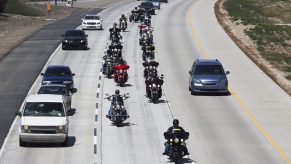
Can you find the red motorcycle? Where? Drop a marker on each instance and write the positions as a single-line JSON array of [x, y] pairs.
[[120, 73]]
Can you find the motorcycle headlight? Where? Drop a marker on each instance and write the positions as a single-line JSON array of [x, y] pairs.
[[182, 140], [150, 86], [67, 82], [66, 41], [82, 41], [154, 85], [176, 140], [171, 140], [158, 85]]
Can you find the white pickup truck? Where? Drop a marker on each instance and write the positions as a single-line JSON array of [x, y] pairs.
[[44, 119]]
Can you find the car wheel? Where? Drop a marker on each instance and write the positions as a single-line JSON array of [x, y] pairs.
[[63, 48], [21, 143]]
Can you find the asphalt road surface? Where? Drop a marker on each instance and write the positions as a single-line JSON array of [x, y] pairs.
[[249, 126]]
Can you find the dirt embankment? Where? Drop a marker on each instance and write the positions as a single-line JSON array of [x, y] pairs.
[[248, 46]]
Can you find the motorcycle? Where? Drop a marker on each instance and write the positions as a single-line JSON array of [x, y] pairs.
[[155, 92], [119, 113], [150, 67], [148, 55], [120, 73], [176, 143], [123, 25], [134, 17], [109, 67]]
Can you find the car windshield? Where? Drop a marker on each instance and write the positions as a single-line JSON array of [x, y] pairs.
[[146, 4], [47, 109], [154, 0], [58, 72], [92, 17], [74, 33], [56, 90], [209, 70]]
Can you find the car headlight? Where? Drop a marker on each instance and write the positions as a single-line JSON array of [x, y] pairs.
[[67, 82], [46, 82], [197, 81], [61, 129], [176, 140], [223, 82], [84, 23]]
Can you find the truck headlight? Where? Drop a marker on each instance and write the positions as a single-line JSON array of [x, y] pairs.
[[61, 129], [25, 129]]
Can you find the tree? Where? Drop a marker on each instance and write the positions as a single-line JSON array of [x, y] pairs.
[[3, 5]]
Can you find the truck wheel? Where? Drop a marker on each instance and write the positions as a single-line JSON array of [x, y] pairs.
[[21, 143]]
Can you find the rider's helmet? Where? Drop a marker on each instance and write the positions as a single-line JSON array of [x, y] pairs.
[[135, 8], [117, 91], [122, 15], [175, 122], [114, 24]]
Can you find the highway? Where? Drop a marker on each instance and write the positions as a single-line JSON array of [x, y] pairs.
[[251, 125]]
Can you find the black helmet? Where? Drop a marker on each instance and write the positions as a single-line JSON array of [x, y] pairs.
[[175, 122], [122, 15], [117, 91]]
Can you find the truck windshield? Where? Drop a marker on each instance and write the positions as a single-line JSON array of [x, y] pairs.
[[46, 109]]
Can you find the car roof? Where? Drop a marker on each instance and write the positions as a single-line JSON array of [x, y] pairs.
[[44, 98], [207, 62]]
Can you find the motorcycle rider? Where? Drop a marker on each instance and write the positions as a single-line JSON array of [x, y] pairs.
[[153, 78], [115, 31], [117, 98], [123, 17], [175, 129]]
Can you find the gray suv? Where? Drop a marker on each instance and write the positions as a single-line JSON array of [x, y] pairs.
[[208, 75]]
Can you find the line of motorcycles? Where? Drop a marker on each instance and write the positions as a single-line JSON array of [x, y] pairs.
[[114, 64], [153, 81]]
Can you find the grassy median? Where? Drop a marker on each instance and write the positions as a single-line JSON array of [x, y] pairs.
[[269, 25]]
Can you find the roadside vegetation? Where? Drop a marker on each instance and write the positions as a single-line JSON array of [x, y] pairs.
[[268, 24], [20, 7]]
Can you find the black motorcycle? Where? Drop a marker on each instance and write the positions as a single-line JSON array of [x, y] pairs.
[[119, 113], [155, 92], [108, 67], [176, 143]]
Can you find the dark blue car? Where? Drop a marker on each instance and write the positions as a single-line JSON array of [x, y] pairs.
[[58, 74]]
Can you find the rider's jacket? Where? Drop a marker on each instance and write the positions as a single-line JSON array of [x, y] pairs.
[[117, 98]]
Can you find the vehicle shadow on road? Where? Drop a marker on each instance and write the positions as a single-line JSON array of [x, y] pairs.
[[213, 94], [158, 101], [183, 160], [71, 143], [124, 124], [126, 85]]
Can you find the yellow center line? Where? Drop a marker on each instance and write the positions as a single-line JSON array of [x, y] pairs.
[[233, 94]]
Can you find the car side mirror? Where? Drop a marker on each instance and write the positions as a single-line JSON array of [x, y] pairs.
[[86, 35], [70, 112], [82, 19], [190, 72], [73, 74], [74, 90], [18, 113], [227, 72], [42, 74]]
